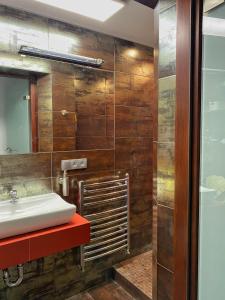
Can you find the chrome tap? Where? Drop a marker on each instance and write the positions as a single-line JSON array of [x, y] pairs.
[[13, 195]]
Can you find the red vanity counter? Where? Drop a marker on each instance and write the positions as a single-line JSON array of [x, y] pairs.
[[30, 246]]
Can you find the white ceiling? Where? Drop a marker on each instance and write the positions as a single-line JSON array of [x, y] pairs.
[[134, 22]]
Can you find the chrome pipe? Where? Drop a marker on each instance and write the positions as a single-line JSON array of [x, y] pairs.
[[105, 212], [92, 191], [104, 195], [105, 201], [128, 211], [106, 253], [81, 184], [108, 229], [104, 248], [104, 182], [107, 218], [108, 235], [108, 223], [6, 277], [106, 242]]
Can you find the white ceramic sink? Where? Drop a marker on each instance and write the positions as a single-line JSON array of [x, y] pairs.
[[33, 213]]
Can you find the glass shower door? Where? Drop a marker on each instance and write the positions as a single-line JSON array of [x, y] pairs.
[[212, 189]]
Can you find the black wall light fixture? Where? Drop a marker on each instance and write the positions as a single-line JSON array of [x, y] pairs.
[[70, 58]]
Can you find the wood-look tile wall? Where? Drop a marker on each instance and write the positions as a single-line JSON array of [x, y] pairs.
[[164, 139], [124, 114]]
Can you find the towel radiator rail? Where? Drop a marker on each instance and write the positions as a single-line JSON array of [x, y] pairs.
[[110, 228]]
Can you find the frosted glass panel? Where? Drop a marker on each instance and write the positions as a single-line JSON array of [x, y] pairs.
[[15, 134], [212, 189]]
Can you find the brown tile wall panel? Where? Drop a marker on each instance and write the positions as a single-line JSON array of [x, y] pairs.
[[63, 98], [131, 60], [133, 90], [167, 42], [163, 153], [45, 120], [166, 159], [92, 81], [165, 174], [141, 182], [44, 113], [91, 105], [165, 284], [166, 109], [165, 237], [59, 67], [141, 238], [76, 40], [141, 221], [143, 206], [25, 187], [94, 142], [114, 96], [91, 126], [63, 91], [64, 144], [133, 121], [64, 125], [94, 91], [133, 132], [25, 166], [133, 153], [45, 144], [14, 63], [12, 33], [44, 91], [110, 126], [110, 107]]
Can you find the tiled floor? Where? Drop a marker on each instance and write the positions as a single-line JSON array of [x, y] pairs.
[[108, 291], [135, 272], [138, 272]]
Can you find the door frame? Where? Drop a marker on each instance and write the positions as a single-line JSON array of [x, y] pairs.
[[187, 153], [196, 147]]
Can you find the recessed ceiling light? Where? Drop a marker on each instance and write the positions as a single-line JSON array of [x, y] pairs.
[[100, 10]]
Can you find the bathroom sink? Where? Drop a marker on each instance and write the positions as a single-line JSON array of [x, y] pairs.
[[33, 213]]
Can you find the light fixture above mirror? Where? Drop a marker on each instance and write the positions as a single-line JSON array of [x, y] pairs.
[[70, 58]]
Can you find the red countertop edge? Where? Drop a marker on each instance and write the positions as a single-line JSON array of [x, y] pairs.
[[30, 246]]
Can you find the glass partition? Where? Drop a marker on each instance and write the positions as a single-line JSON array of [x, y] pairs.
[[212, 189]]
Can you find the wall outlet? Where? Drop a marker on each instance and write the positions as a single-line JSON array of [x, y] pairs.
[[74, 164]]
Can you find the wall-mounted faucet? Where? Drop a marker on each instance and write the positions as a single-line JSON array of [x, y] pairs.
[[64, 181], [13, 195], [68, 165]]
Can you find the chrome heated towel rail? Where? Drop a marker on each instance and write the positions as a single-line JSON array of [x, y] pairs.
[[105, 202]]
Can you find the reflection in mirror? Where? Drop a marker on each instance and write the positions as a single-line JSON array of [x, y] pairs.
[[70, 108], [15, 131]]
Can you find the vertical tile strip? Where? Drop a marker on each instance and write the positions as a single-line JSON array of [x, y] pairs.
[[163, 153]]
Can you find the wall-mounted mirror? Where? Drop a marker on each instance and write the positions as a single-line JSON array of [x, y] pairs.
[[69, 108]]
